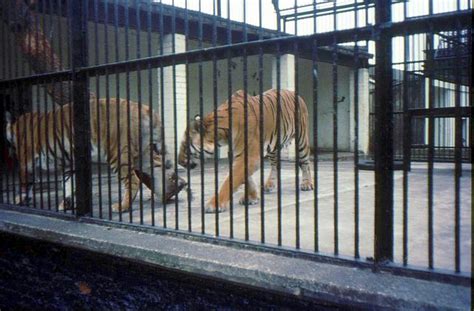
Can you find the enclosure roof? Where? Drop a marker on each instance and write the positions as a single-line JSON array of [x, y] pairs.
[[162, 16], [238, 31]]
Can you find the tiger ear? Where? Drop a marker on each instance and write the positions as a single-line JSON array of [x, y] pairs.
[[239, 93], [197, 124]]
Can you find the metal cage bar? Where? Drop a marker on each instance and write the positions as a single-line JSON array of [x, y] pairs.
[[221, 56]]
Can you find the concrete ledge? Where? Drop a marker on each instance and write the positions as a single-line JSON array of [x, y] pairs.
[[297, 277]]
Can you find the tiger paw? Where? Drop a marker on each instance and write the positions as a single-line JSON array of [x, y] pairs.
[[21, 199], [269, 186], [119, 209], [65, 205], [211, 206], [307, 185], [250, 201]]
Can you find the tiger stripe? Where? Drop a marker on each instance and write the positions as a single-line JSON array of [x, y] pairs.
[[292, 121]]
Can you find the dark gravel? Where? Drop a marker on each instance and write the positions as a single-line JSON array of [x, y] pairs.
[[37, 275]]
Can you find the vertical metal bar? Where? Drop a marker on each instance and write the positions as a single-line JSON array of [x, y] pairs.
[[98, 104], [46, 123], [18, 101], [4, 170], [219, 7], [3, 149], [246, 129], [458, 148], [278, 125], [7, 173], [162, 110], [82, 140], [11, 44], [107, 107], [383, 241], [7, 101], [201, 113], [14, 46], [314, 58], [470, 142], [150, 102], [117, 108], [5, 167], [60, 117], [66, 160], [297, 134], [70, 111], [3, 47], [12, 100], [55, 158], [262, 127], [335, 134], [229, 100], [10, 175], [175, 118], [188, 153], [39, 122], [139, 98], [356, 134], [37, 128], [406, 139], [215, 103], [25, 98], [5, 54], [47, 144], [431, 133], [127, 94]]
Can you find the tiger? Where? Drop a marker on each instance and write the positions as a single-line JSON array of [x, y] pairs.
[[290, 125], [49, 135]]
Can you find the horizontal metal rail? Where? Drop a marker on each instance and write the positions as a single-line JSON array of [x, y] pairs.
[[141, 77], [449, 277], [444, 112], [440, 22]]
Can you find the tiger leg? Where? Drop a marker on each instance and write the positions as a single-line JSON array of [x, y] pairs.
[[307, 183], [26, 184], [68, 192], [270, 183], [238, 178], [304, 151], [130, 183], [252, 193]]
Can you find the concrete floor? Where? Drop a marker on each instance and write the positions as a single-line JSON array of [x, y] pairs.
[[443, 211]]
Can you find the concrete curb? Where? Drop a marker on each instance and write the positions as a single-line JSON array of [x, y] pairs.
[[291, 276]]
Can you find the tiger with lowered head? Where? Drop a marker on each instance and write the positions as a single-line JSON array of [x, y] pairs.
[[289, 123], [50, 135]]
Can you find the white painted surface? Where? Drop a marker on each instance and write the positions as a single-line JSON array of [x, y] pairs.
[[174, 94]]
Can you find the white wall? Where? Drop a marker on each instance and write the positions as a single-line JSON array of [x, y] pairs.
[[325, 92], [305, 89], [325, 103]]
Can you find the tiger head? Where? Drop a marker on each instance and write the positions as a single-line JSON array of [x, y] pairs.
[[205, 128], [192, 145]]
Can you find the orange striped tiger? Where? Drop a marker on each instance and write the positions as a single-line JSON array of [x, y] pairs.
[[50, 135], [288, 131]]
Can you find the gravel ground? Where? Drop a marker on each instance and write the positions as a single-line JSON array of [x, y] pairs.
[[38, 275]]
